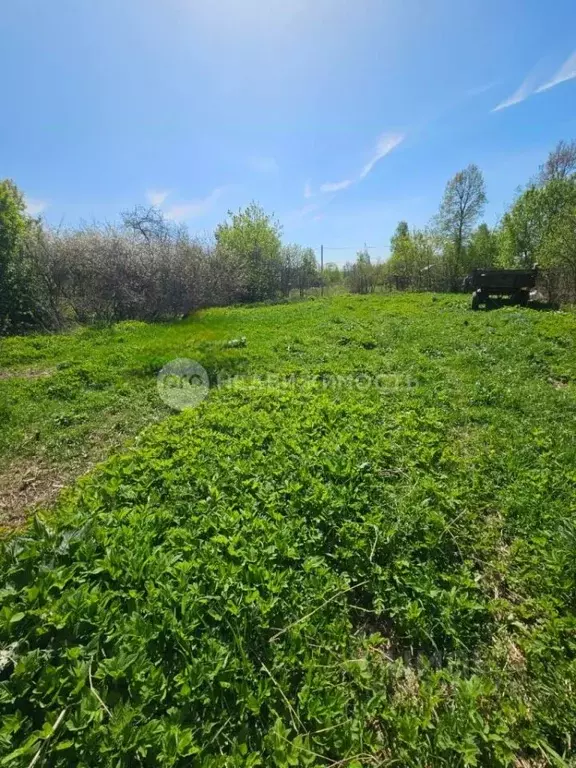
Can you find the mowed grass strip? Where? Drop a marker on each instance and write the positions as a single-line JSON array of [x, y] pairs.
[[366, 557]]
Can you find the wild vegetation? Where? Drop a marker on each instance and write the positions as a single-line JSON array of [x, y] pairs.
[[148, 268], [539, 228], [357, 551]]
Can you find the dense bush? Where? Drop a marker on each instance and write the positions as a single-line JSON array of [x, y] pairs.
[[144, 268]]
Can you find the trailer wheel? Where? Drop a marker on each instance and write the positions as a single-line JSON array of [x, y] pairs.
[[523, 298], [475, 301]]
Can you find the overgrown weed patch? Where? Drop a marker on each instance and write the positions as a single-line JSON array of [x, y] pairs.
[[302, 573]]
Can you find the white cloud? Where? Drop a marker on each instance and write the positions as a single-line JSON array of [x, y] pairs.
[[157, 196], [335, 186], [566, 72], [386, 143], [481, 89], [525, 90], [262, 164], [35, 207], [308, 190], [190, 209]]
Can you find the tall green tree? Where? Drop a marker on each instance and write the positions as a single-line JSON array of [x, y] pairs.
[[299, 268], [14, 222], [400, 250], [307, 270], [532, 223], [412, 258], [483, 248], [400, 237], [254, 237], [462, 205], [539, 228], [361, 274], [332, 274]]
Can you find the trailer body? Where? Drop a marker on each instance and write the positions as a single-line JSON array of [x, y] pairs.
[[515, 283]]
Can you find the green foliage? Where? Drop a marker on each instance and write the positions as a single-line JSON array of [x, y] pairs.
[[254, 237], [530, 229], [14, 302], [360, 553], [12, 218], [299, 269], [361, 276], [463, 203], [483, 248], [332, 274], [413, 261]]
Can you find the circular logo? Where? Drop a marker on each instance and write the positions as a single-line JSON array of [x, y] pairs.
[[182, 383]]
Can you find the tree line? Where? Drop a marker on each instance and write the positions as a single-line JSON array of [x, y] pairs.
[[539, 228], [148, 268], [145, 267]]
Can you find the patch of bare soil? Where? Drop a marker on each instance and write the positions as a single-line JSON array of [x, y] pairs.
[[26, 485], [33, 374], [558, 383]]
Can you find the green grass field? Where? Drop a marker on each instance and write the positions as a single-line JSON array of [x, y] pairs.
[[361, 551]]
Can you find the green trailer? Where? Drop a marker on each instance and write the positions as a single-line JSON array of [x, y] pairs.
[[515, 283]]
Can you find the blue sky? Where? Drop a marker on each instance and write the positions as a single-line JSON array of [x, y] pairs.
[[341, 116]]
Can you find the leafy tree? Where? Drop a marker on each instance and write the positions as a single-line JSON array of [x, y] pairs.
[[299, 268], [361, 275], [400, 250], [254, 236], [14, 223], [561, 163], [400, 237], [307, 270], [332, 274], [483, 248], [412, 257], [532, 223], [462, 205], [539, 228]]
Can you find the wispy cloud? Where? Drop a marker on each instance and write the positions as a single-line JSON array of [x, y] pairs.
[[386, 143], [335, 186], [566, 72], [262, 164], [308, 190], [190, 209], [295, 217], [35, 207], [481, 89], [525, 90], [157, 196]]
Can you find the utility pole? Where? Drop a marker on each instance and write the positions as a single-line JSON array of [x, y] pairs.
[[322, 270]]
